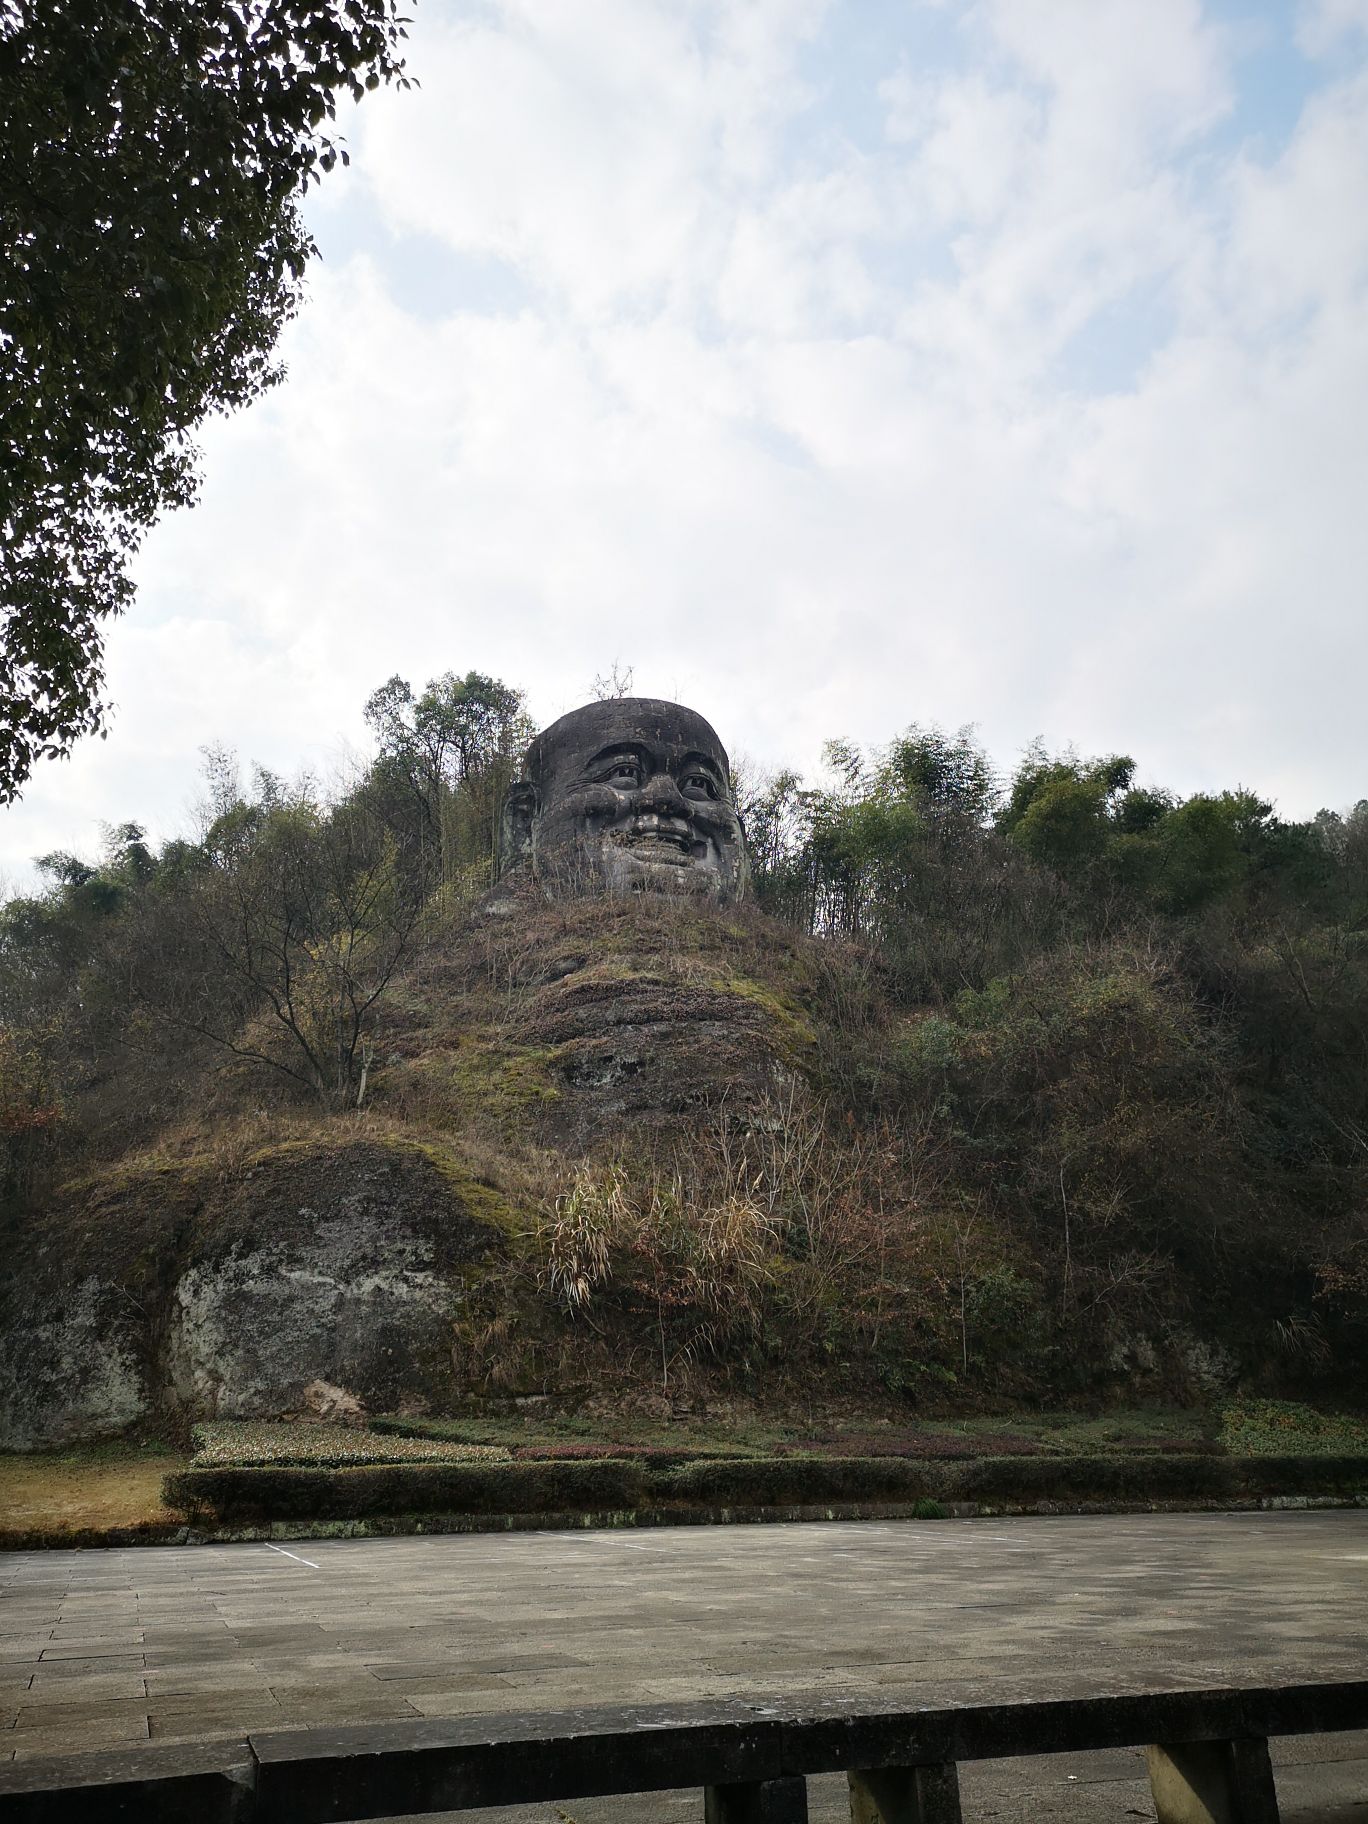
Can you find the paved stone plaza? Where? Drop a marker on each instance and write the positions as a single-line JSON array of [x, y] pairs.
[[192, 1643]]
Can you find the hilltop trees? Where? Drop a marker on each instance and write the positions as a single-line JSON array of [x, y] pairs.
[[152, 157], [446, 758], [272, 935], [283, 938]]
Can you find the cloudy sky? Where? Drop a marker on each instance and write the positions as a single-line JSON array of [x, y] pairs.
[[834, 365]]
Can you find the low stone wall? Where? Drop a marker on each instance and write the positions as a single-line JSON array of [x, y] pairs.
[[1207, 1752]]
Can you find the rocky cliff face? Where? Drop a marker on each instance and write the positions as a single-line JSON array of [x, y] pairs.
[[315, 1276]]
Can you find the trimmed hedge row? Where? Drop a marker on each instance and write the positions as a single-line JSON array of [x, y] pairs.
[[407, 1488], [799, 1481], [617, 1485]]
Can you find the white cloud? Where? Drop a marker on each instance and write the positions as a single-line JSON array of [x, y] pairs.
[[795, 426], [1323, 26], [591, 142]]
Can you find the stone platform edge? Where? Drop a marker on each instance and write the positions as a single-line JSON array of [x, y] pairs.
[[400, 1526], [1207, 1750]]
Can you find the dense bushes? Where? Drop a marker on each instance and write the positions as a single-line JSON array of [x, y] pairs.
[[797, 1481], [615, 1485], [355, 1494], [1128, 1478]]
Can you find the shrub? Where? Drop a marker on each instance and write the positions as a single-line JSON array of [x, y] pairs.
[[618, 1485], [1156, 1478], [455, 1431], [658, 1456], [796, 1481], [578, 1453], [928, 1446], [1282, 1428], [1117, 1478], [227, 1443], [419, 1488], [1314, 1474]]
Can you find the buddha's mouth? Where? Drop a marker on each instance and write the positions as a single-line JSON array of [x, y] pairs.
[[671, 848]]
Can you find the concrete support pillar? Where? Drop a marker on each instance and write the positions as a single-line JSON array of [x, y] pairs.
[[757, 1802], [905, 1795], [1213, 1782]]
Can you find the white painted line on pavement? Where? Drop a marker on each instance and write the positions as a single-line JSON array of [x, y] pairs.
[[284, 1554]]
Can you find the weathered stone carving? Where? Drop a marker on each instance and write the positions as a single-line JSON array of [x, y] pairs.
[[629, 794]]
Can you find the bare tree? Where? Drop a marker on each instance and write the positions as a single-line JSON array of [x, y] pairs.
[[287, 940]]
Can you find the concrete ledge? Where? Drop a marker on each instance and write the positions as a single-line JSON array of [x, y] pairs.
[[325, 1776], [456, 1764], [164, 1783]]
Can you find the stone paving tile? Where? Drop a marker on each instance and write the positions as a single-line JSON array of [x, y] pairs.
[[85, 1649], [411, 1668], [514, 1661], [220, 1708], [277, 1656], [95, 1690], [77, 1640], [244, 1676], [321, 1713], [107, 1666], [205, 1727], [40, 1713], [110, 1733], [205, 1637], [482, 1688], [197, 1653]]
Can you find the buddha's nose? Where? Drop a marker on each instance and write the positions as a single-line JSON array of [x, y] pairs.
[[661, 794]]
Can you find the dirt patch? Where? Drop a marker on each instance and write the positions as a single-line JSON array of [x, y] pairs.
[[85, 1491]]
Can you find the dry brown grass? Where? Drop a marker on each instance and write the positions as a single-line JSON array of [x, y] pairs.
[[83, 1490]]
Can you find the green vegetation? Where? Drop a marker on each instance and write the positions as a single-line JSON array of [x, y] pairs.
[[153, 154], [259, 1443], [1017, 1093], [412, 1488], [1281, 1428], [620, 1486], [248, 1472]]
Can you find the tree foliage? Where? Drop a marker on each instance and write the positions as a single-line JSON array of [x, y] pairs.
[[152, 158], [446, 757], [292, 930]]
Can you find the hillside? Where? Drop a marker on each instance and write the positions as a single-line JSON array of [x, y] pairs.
[[637, 1151]]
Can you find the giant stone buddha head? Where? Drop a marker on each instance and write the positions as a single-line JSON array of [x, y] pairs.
[[631, 794]]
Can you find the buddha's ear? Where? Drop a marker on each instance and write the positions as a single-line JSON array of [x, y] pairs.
[[515, 824]]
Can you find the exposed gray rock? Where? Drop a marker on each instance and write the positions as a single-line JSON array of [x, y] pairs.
[[70, 1368], [355, 1304], [321, 1278]]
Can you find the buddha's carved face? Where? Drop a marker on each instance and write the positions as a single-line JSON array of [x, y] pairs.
[[632, 794]]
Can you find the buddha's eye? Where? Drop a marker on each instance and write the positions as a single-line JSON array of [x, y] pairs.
[[700, 786], [624, 774]]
